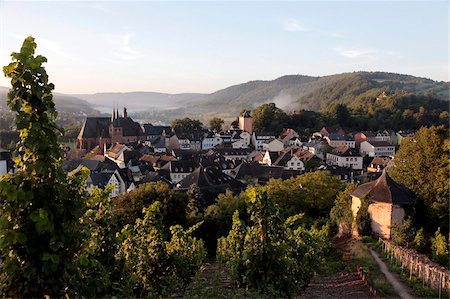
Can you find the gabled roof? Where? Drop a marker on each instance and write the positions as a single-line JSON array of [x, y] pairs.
[[335, 136], [380, 161], [183, 166], [344, 151], [94, 127], [100, 179], [211, 182], [283, 158], [386, 190], [150, 129], [379, 143]]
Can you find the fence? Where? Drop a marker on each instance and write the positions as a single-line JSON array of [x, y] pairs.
[[418, 265]]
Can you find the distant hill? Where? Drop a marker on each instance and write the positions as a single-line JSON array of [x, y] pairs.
[[140, 100], [292, 92], [64, 103], [316, 93]]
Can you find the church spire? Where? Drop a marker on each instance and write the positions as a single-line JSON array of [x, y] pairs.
[[113, 115]]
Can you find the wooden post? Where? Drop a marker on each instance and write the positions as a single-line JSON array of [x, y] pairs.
[[423, 275], [440, 285], [410, 269]]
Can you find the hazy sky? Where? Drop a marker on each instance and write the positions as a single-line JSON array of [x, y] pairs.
[[205, 46]]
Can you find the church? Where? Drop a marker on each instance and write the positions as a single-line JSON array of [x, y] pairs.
[[109, 130]]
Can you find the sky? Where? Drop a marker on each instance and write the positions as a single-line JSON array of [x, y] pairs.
[[204, 46]]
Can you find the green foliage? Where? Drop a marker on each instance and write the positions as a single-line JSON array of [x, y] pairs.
[[128, 207], [217, 218], [99, 273], [269, 118], [215, 124], [157, 265], [275, 256], [363, 221], [194, 207], [420, 241], [312, 193], [186, 125], [341, 213], [422, 165], [41, 205], [403, 234], [439, 248]]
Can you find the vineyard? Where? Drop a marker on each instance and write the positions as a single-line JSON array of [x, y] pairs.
[[156, 242]]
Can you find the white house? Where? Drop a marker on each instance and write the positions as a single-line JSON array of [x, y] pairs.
[[210, 141], [345, 157], [178, 170], [376, 149], [106, 179], [289, 161], [258, 140], [239, 143]]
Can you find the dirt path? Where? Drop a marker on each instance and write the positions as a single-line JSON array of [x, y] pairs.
[[399, 287]]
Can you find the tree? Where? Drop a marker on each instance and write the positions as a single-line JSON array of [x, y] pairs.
[[269, 118], [341, 213], [186, 125], [268, 253], [363, 221], [157, 263], [194, 208], [312, 193], [439, 248], [422, 165], [215, 124], [41, 205], [128, 207]]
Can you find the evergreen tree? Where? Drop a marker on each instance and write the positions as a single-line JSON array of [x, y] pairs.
[[41, 206]]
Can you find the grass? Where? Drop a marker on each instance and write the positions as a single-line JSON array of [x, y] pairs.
[[415, 284]]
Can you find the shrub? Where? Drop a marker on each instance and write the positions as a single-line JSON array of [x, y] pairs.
[[159, 266], [439, 248], [363, 221], [275, 256], [420, 241]]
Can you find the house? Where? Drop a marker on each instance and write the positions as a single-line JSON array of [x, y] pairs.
[[387, 202], [345, 174], [402, 135], [211, 182], [327, 131], [270, 157], [345, 157], [287, 135], [256, 173], [273, 145], [378, 164], [231, 153], [259, 139], [315, 147], [178, 170], [105, 179], [370, 136], [376, 149], [155, 131], [156, 143], [109, 130], [337, 140], [295, 142], [289, 161], [211, 140]]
